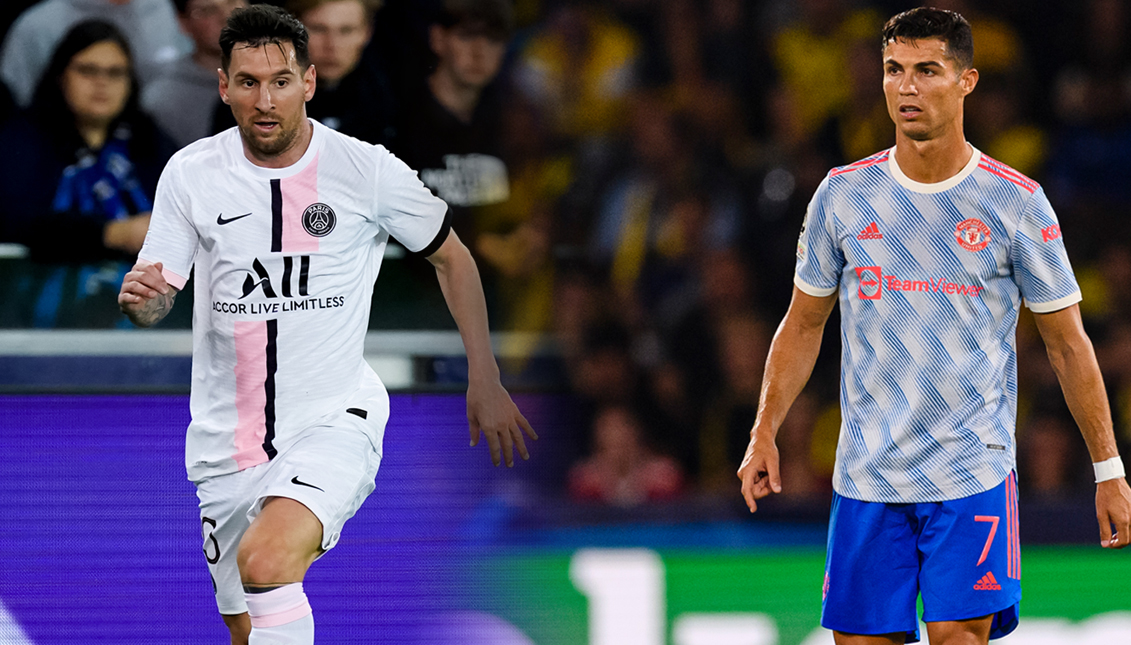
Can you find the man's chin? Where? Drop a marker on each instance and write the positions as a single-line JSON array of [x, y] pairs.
[[267, 145]]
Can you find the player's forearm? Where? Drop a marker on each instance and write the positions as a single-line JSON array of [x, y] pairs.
[[1074, 362], [463, 293], [151, 311], [792, 356]]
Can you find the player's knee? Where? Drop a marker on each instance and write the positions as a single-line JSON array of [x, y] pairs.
[[260, 564]]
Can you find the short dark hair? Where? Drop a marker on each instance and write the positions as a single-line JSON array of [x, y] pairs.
[[927, 22], [493, 18], [263, 24]]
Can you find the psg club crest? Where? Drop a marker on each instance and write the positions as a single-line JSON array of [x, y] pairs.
[[972, 234], [318, 219]]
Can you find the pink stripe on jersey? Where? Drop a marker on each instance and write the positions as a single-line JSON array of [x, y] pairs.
[[174, 279], [177, 281], [299, 192], [251, 398], [877, 158], [1010, 178], [1001, 170]]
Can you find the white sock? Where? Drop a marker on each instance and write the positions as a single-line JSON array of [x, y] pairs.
[[281, 616]]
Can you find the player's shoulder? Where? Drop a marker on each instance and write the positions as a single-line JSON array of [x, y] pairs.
[[1002, 174], [348, 151], [208, 152], [870, 161]]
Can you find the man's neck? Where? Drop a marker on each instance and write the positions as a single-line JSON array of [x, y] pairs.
[[933, 160], [460, 100]]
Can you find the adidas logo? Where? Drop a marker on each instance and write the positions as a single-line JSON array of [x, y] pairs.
[[870, 232], [987, 583]]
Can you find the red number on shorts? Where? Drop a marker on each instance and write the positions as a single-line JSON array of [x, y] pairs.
[[993, 531]]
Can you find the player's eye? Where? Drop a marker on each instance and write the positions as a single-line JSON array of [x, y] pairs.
[[281, 83]]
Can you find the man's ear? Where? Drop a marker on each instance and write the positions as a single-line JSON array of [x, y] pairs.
[[223, 77], [968, 80], [310, 81]]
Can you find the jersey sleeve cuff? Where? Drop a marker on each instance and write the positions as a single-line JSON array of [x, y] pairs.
[[816, 292], [441, 236], [1054, 305], [176, 280]]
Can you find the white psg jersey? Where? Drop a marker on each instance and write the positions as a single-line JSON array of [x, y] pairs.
[[285, 260], [930, 280]]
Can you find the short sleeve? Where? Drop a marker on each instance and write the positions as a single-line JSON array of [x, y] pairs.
[[820, 260], [404, 205], [1040, 262], [172, 239]]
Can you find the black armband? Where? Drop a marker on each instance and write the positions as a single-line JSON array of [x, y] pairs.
[[441, 236]]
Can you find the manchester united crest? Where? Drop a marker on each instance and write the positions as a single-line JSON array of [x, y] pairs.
[[318, 219], [972, 234]]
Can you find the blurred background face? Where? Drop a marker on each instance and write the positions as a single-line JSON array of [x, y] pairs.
[[96, 83], [203, 20], [339, 32], [470, 57]]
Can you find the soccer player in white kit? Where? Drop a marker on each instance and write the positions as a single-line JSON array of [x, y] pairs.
[[285, 223], [930, 247]]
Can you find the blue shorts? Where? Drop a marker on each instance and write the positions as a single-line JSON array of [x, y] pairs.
[[962, 555]]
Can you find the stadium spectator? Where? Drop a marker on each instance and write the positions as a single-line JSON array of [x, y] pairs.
[[516, 237], [353, 94], [580, 69], [451, 130], [623, 470], [812, 57], [152, 26], [183, 98], [80, 191]]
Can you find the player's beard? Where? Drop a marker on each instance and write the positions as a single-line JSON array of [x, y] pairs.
[[272, 146]]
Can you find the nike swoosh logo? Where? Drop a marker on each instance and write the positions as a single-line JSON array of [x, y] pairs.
[[294, 480], [221, 221]]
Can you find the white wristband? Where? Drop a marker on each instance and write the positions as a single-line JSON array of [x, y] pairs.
[[1109, 469]]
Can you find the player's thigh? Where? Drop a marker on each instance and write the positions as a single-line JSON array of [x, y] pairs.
[[972, 559], [330, 470], [871, 570], [974, 631], [281, 543], [224, 505]]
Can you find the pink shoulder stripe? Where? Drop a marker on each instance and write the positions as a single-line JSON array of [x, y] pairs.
[[866, 162], [1029, 185], [1019, 178]]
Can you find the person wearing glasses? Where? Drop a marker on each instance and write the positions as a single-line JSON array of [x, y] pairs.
[[79, 192]]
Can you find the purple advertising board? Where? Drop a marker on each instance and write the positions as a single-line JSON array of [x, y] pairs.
[[101, 539]]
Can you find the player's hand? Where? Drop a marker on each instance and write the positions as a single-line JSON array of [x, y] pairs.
[[759, 470], [1113, 508], [492, 414], [143, 283]]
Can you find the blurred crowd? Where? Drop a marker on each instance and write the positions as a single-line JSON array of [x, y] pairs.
[[631, 176]]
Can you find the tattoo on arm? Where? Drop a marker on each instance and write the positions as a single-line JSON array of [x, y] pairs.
[[154, 309]]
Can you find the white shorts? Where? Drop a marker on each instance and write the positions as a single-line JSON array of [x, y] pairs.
[[329, 468]]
